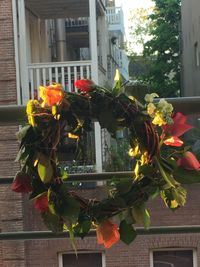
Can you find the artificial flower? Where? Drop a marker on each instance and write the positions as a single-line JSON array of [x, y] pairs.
[[134, 151], [175, 130], [84, 85], [52, 94], [107, 233], [189, 161], [72, 136], [179, 125], [151, 108], [31, 110], [165, 107], [150, 97], [22, 183], [158, 119], [41, 203], [173, 141]]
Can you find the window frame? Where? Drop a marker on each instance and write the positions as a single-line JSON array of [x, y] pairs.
[[103, 256], [174, 249]]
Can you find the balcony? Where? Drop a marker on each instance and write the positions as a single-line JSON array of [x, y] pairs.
[[64, 73], [115, 19], [121, 60]]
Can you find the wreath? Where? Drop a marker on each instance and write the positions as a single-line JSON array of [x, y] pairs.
[[161, 162]]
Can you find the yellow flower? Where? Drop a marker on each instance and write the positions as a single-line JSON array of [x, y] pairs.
[[117, 75], [134, 151], [144, 158], [30, 110], [158, 119], [151, 109], [72, 136]]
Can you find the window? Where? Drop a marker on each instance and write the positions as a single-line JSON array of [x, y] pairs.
[[173, 258], [84, 259]]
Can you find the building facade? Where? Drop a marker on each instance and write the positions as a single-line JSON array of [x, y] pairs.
[[30, 54], [190, 47]]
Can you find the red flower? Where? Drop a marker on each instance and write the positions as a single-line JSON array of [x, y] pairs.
[[107, 234], [41, 203], [189, 161], [84, 85], [22, 183], [173, 141], [52, 94], [176, 129]]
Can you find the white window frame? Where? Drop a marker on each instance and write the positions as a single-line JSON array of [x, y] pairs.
[[174, 249], [60, 256]]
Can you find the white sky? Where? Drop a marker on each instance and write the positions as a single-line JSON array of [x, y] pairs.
[[127, 5]]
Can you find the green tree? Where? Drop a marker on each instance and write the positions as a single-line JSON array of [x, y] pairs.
[[139, 28], [163, 48]]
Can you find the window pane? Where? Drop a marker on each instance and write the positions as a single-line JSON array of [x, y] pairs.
[[83, 260], [179, 258]]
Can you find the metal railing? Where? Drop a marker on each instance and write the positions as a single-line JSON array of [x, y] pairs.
[[16, 114]]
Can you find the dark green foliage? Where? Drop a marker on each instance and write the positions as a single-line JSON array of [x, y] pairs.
[[164, 48]]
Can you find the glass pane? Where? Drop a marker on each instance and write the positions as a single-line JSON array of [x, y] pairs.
[[83, 260], [179, 258]]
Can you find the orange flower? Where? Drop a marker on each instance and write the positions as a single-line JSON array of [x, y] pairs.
[[107, 233], [52, 94], [189, 161]]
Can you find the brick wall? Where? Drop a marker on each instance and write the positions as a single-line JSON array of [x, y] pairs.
[[11, 253], [7, 61], [45, 253]]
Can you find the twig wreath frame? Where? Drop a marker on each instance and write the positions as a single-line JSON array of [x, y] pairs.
[[161, 162]]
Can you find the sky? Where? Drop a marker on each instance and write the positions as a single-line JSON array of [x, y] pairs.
[[127, 5]]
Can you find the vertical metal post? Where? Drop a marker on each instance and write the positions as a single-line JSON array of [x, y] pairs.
[[95, 78], [23, 52]]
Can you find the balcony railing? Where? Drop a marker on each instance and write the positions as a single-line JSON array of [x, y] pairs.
[[121, 60], [64, 73], [114, 15], [77, 22]]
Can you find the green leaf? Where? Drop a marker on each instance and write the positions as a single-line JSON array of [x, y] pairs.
[[141, 215], [83, 228], [127, 232], [38, 188], [22, 132], [184, 176], [69, 208], [45, 169], [146, 169], [64, 174], [124, 185], [52, 222], [147, 220], [118, 88], [116, 202]]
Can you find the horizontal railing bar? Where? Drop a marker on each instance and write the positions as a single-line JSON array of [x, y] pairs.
[[16, 114], [59, 64], [84, 177], [44, 235]]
